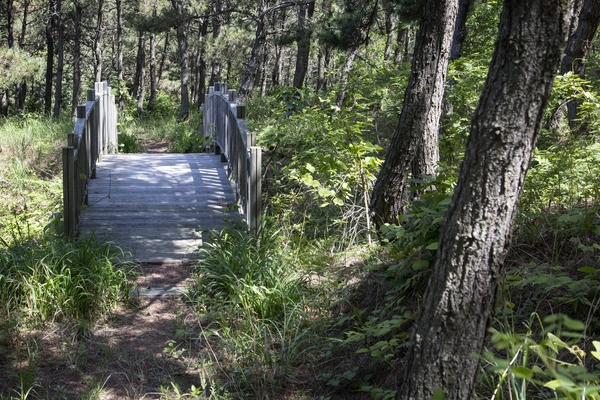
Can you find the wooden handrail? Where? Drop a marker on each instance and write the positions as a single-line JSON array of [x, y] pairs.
[[94, 134], [224, 121]]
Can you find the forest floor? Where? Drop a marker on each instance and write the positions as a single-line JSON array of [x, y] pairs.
[[138, 351]]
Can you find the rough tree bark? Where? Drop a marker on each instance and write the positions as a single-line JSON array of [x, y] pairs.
[[475, 234], [583, 29], [60, 53], [415, 142]]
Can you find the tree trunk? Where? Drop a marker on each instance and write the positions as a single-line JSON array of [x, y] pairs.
[[305, 14], [390, 26], [584, 27], [344, 76], [417, 131], [152, 99], [182, 44], [163, 57], [50, 26], [215, 64], [249, 76], [475, 234], [142, 75], [140, 59], [403, 41], [10, 19], [120, 97], [460, 29], [60, 45], [98, 43], [201, 65], [77, 60], [323, 64]]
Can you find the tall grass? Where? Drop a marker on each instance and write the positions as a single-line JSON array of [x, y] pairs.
[[52, 278]]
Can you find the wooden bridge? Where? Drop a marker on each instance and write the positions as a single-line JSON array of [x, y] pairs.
[[159, 207]]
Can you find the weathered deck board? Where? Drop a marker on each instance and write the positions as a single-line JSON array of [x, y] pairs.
[[159, 207]]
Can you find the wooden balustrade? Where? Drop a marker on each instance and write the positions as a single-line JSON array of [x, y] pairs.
[[224, 122], [95, 134]]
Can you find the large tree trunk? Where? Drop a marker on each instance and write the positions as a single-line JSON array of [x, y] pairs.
[[77, 59], [417, 133], [474, 237], [305, 14], [98, 43], [50, 26], [583, 29], [60, 52], [182, 44]]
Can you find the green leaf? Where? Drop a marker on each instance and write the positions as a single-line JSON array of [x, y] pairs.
[[573, 324], [420, 264], [587, 270], [522, 372], [433, 246], [596, 353]]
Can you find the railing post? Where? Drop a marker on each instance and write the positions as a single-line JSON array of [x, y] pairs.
[[254, 192], [69, 207]]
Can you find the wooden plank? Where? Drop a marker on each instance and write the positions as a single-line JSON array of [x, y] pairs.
[[159, 207]]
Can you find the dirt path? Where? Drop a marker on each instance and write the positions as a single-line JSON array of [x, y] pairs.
[[138, 352]]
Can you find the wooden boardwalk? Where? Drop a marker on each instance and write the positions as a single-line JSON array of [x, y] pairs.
[[159, 206]]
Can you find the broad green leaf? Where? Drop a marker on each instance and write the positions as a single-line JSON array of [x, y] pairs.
[[522, 372], [596, 353], [573, 324], [587, 270], [433, 246]]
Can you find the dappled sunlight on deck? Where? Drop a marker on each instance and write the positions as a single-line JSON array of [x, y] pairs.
[[158, 207]]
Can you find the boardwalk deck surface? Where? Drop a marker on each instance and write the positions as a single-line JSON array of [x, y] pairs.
[[158, 206]]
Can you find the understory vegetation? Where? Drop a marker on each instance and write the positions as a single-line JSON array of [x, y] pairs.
[[317, 304]]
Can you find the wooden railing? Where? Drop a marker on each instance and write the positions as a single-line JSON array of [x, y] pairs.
[[224, 122], [95, 134]]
